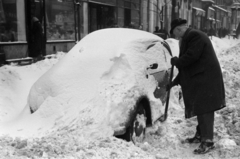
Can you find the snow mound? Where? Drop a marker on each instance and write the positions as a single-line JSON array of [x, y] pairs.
[[13, 78], [220, 45], [231, 71]]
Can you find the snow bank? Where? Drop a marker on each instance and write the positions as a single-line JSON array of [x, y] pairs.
[[16, 83]]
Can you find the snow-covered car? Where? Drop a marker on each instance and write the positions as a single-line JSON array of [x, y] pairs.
[[107, 79]]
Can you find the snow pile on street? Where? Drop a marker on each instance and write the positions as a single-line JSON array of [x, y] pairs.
[[16, 83], [163, 141], [230, 61], [220, 45]]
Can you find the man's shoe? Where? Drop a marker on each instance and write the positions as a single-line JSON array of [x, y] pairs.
[[204, 147], [195, 139]]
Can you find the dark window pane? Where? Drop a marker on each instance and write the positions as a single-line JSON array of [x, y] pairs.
[[101, 16], [162, 77]]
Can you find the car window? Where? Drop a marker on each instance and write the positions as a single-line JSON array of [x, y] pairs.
[[162, 78]]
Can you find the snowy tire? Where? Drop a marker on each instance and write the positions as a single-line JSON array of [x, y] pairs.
[[136, 131]]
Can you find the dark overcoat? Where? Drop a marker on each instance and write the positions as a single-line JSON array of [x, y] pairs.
[[200, 75], [36, 42]]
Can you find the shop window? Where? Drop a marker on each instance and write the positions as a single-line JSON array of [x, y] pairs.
[[12, 21], [60, 20], [162, 77]]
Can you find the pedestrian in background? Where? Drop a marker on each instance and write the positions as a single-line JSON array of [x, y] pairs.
[[165, 33], [36, 41], [156, 29], [200, 78], [238, 31], [211, 32]]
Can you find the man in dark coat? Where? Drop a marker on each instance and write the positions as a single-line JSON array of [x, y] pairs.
[[200, 78], [36, 42]]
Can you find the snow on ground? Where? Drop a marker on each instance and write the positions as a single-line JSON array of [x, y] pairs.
[[163, 141]]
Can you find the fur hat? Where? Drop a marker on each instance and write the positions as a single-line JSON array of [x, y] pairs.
[[177, 22]]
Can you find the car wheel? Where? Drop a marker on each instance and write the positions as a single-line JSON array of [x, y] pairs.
[[136, 131]]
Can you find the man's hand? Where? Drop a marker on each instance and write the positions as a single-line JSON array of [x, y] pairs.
[[174, 61]]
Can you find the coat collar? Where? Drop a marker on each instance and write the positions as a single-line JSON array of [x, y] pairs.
[[182, 43]]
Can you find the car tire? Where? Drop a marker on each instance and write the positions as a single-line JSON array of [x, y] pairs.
[[136, 131]]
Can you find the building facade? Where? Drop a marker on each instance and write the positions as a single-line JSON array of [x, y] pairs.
[[16, 22], [182, 9], [203, 14], [198, 15], [65, 22]]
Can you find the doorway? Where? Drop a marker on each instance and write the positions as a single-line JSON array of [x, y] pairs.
[[127, 18], [35, 12]]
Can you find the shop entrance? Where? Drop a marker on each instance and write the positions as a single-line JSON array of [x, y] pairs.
[[101, 16], [36, 27]]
